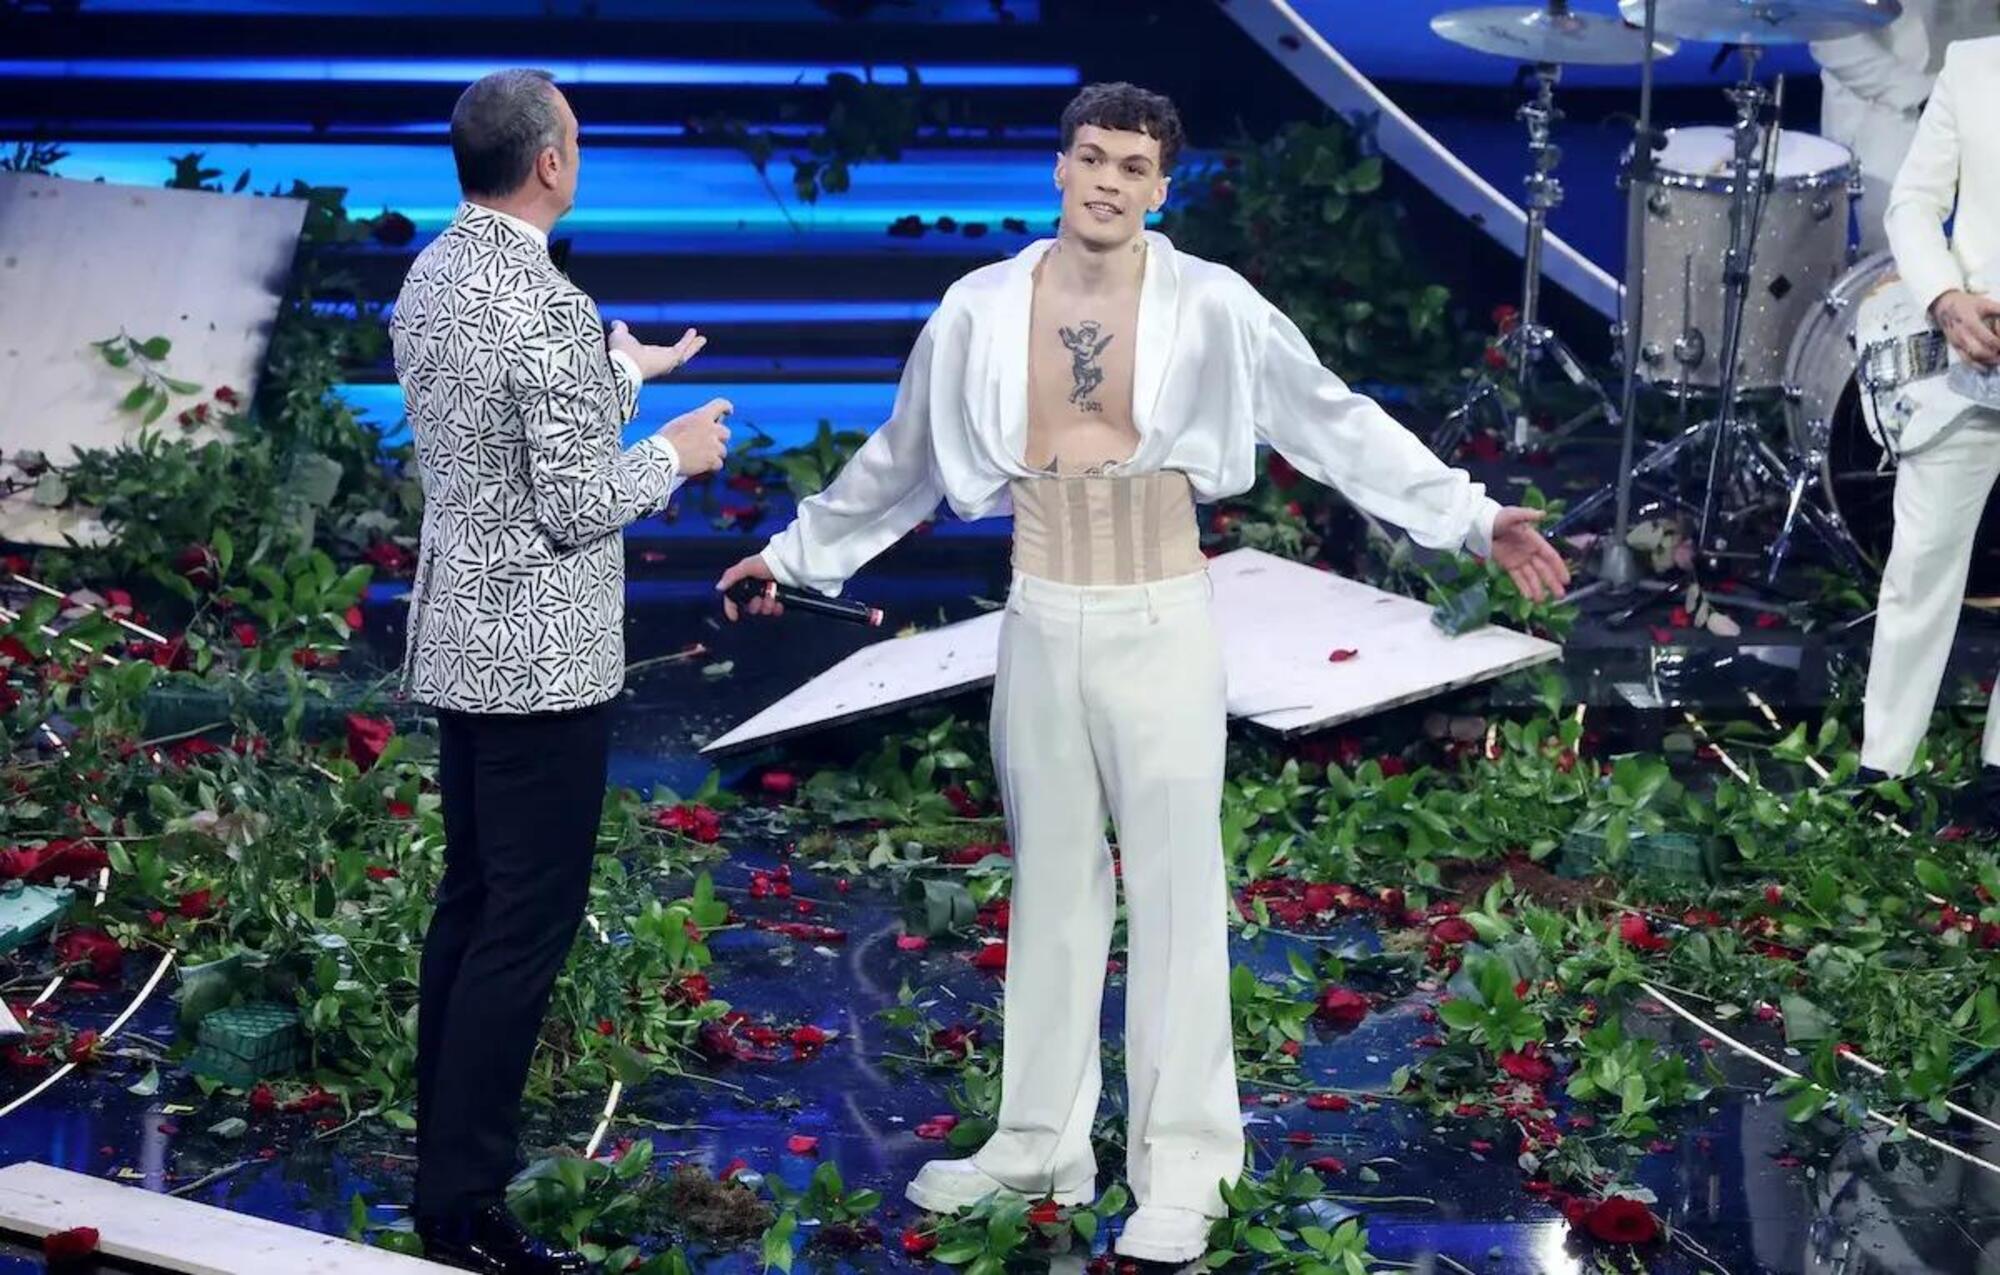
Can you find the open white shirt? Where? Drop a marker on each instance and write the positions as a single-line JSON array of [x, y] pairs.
[[1218, 369]]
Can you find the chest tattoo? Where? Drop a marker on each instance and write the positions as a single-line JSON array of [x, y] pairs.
[[1086, 342]]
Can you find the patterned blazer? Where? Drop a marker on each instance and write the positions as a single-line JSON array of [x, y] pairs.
[[516, 407]]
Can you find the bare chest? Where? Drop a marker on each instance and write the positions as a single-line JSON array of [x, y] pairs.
[[1080, 359]]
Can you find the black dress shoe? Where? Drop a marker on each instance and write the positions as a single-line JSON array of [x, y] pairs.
[[1986, 804], [489, 1240]]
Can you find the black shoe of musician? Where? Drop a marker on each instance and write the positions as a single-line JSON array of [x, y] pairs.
[[1867, 801], [1986, 805], [490, 1241]]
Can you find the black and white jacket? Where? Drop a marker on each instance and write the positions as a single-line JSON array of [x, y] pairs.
[[516, 408]]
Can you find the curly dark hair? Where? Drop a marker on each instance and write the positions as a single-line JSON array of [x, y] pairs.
[[1126, 108]]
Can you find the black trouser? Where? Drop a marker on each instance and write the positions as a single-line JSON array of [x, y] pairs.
[[522, 798]]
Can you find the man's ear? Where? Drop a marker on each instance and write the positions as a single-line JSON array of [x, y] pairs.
[[1062, 170], [548, 167], [1160, 196]]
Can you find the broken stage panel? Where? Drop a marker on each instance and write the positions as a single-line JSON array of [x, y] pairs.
[[1280, 621]]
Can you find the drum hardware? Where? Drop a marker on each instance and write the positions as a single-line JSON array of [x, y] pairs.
[[1549, 37]]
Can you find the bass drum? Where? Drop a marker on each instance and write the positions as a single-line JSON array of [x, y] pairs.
[[1825, 411]]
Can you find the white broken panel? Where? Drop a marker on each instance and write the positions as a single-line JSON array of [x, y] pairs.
[[1279, 621], [85, 261]]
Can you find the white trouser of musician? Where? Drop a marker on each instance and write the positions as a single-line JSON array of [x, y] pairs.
[[1941, 492], [1110, 701]]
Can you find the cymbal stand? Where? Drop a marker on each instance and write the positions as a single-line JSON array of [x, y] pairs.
[[1531, 343]]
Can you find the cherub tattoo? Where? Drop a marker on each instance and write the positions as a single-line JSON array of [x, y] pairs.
[[1085, 347]]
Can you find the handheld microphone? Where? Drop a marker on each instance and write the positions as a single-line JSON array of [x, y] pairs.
[[807, 600]]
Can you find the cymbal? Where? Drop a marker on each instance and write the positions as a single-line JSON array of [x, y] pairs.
[[1765, 21], [1531, 33]]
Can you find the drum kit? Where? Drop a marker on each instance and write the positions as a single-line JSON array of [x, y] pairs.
[[1741, 290]]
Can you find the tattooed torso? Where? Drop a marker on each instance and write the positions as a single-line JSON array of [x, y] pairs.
[[1080, 381]]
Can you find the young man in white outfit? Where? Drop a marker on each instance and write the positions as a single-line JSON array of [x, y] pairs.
[[1952, 453], [1096, 385]]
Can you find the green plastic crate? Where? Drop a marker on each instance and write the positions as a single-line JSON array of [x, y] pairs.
[[247, 1043], [1675, 856]]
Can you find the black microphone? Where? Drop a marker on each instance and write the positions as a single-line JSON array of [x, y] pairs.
[[807, 600]]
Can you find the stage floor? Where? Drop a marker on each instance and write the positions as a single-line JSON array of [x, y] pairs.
[[1758, 1192]]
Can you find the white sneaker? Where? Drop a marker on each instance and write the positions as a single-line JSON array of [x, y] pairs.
[[947, 1186], [1160, 1233]]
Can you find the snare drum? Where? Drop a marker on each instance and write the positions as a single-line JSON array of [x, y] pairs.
[[1801, 248]]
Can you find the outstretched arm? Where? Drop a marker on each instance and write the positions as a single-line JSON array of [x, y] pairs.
[[888, 487], [1346, 441]]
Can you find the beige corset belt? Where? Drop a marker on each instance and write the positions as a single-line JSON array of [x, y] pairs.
[[1106, 528]]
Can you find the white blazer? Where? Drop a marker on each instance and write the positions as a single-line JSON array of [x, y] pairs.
[[1217, 370], [1953, 163]]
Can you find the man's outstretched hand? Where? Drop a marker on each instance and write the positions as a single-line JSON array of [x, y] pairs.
[[1520, 550], [654, 360]]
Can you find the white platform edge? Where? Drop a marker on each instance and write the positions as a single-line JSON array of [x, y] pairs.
[[181, 1235]]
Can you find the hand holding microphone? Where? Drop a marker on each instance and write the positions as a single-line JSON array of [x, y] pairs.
[[750, 583]]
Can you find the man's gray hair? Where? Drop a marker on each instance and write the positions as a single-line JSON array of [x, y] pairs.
[[499, 127]]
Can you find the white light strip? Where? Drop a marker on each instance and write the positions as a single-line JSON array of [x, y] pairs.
[[117, 1023], [617, 1086], [59, 595], [1876, 1071], [1774, 1065]]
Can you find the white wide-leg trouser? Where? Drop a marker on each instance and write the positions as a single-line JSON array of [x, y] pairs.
[[1941, 493], [1109, 701]]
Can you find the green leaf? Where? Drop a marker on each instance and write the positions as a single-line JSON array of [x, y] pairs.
[[400, 1120], [1461, 1015], [137, 399], [147, 1085], [158, 407], [233, 1127], [1264, 1240], [1805, 1021], [1933, 877], [778, 1242], [958, 1254], [157, 348]]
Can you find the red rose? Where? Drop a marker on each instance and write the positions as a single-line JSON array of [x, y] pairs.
[[1528, 1065], [1327, 1164], [156, 918], [367, 737], [1636, 933], [354, 619], [1496, 358], [197, 564], [246, 635], [83, 1049], [1622, 1220], [40, 865], [1452, 931], [1328, 1102], [605, 1027], [992, 957], [1281, 471], [937, 1128], [1342, 1007], [918, 1243], [197, 905], [1047, 1213], [227, 396], [72, 1245], [1774, 895], [94, 948], [1341, 656], [911, 942], [262, 1101], [809, 1040], [961, 802], [802, 1144], [1392, 765], [780, 784]]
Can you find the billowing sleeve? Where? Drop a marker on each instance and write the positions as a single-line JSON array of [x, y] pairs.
[[580, 492], [1925, 191], [1347, 442], [889, 486]]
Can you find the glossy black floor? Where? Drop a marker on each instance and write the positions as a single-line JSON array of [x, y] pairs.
[[1738, 1180]]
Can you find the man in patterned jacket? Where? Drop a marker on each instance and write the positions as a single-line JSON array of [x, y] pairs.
[[515, 632]]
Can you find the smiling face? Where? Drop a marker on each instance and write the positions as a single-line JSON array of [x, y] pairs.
[[1110, 180]]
